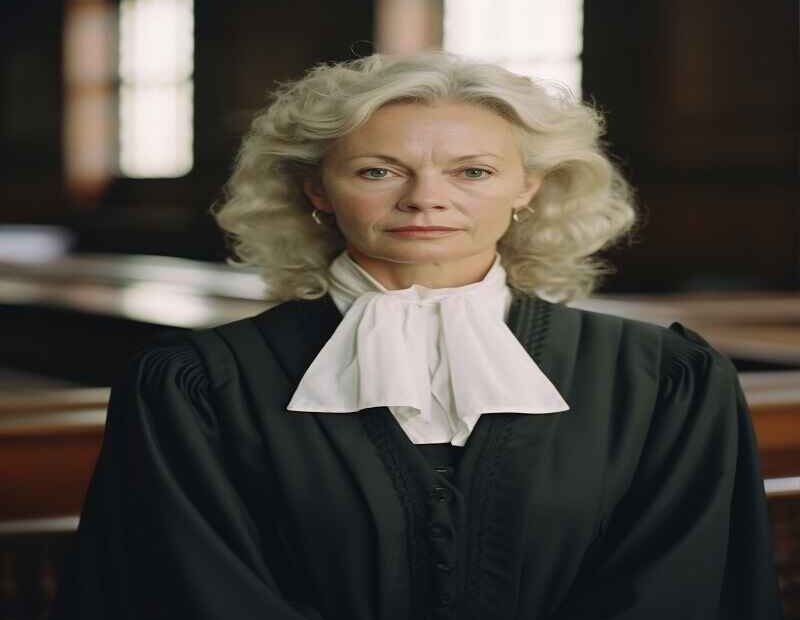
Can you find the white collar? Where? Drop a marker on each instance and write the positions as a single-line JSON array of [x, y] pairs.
[[438, 358]]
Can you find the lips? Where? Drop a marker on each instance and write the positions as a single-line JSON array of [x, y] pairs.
[[421, 228]]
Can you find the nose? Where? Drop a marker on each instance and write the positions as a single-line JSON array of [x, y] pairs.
[[423, 194]]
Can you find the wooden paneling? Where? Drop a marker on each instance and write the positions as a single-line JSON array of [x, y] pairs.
[[719, 85], [784, 515], [714, 235], [703, 109], [31, 106]]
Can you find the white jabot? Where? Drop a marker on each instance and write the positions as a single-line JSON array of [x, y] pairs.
[[438, 358]]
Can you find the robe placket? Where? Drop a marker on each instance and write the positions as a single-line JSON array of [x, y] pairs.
[[475, 522]]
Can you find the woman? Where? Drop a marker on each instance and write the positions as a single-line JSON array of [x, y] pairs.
[[421, 427]]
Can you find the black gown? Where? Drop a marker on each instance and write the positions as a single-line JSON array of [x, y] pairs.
[[644, 501]]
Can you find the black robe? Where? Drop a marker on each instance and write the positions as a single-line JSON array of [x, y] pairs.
[[209, 500]]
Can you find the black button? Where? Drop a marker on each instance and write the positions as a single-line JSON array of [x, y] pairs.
[[437, 531], [447, 471], [444, 600], [444, 567], [440, 494]]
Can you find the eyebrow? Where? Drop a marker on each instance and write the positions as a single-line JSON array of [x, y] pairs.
[[397, 161]]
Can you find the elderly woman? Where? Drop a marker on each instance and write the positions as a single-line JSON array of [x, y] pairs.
[[421, 427]]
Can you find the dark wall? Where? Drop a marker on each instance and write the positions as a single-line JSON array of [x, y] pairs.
[[31, 101], [703, 108]]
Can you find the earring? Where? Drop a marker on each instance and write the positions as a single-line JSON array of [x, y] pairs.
[[515, 214], [315, 215]]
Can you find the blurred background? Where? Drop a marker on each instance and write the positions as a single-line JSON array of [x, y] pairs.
[[120, 120]]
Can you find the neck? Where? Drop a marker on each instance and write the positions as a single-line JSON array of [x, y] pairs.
[[430, 274]]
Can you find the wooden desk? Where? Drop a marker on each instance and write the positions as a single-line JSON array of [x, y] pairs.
[[762, 326], [156, 290], [142, 294], [774, 401]]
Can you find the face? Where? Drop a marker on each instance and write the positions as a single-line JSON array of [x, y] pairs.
[[449, 164]]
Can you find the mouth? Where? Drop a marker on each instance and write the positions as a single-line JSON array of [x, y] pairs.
[[422, 233], [421, 229]]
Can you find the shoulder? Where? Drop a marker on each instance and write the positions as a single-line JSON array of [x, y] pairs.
[[591, 322], [170, 361], [668, 351], [214, 358], [165, 387], [692, 366]]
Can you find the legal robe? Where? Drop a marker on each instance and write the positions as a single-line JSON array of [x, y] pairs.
[[643, 501]]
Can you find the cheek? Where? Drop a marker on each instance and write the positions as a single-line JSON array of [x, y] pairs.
[[358, 216], [358, 198], [491, 220]]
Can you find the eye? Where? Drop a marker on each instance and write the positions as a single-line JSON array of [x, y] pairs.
[[488, 173], [361, 173]]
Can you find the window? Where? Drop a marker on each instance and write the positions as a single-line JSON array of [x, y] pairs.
[[156, 48], [537, 38], [128, 80]]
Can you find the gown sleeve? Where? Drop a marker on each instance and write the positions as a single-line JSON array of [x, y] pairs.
[[163, 532], [691, 537]]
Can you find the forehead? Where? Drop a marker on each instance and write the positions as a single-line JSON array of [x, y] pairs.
[[409, 125]]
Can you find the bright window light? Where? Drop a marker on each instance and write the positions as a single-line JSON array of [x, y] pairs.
[[538, 38], [156, 63]]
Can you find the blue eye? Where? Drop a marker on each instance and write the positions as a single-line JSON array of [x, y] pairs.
[[487, 173]]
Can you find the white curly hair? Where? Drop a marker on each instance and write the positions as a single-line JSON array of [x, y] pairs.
[[583, 205]]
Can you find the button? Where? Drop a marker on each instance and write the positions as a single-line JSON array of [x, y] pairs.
[[444, 567], [437, 531], [440, 494], [445, 600], [447, 471]]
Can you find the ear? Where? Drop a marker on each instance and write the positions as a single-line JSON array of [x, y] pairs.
[[316, 194], [532, 184]]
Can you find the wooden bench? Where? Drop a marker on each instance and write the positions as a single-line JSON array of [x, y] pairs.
[[49, 442]]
